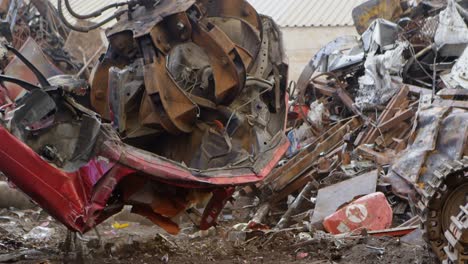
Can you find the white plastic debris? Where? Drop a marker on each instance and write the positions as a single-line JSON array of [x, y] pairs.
[[203, 233], [165, 258], [414, 3], [240, 226], [290, 200], [40, 233], [316, 114], [303, 236]]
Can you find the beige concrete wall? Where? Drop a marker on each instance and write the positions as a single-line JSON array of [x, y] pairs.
[[303, 43]]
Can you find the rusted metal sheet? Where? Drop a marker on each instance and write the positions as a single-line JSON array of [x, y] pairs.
[[296, 168], [440, 137], [401, 79], [179, 109], [184, 127], [229, 74], [411, 162]]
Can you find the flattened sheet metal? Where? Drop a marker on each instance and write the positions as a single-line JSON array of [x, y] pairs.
[[412, 159], [450, 142], [330, 198], [441, 137]]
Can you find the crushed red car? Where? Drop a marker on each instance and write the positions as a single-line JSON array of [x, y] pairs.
[[188, 102]]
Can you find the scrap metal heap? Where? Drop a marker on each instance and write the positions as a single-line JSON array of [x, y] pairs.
[[393, 104], [189, 100], [39, 20]]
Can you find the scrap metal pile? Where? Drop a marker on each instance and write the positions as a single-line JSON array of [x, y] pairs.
[[38, 20], [378, 128], [188, 102]]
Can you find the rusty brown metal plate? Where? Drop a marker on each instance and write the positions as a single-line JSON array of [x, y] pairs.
[[163, 90], [228, 70]]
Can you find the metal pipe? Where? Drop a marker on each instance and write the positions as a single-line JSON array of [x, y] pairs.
[[26, 85], [262, 83], [95, 13], [40, 77], [85, 29]]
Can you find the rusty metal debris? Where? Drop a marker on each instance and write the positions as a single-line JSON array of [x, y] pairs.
[[190, 101], [187, 106], [395, 103]]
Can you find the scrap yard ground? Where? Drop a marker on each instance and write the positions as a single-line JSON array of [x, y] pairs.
[[168, 131], [142, 243]]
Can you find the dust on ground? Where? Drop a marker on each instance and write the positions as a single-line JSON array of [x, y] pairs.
[[32, 236]]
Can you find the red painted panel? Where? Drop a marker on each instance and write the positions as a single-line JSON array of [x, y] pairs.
[[371, 212]]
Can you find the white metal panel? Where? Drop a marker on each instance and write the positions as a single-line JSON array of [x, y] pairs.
[[308, 13]]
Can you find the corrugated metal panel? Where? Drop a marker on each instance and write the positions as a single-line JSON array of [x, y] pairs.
[[308, 13], [87, 6], [287, 13]]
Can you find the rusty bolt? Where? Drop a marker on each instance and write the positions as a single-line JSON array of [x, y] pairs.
[[180, 26]]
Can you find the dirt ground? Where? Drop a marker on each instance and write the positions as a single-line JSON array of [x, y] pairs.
[[141, 243]]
